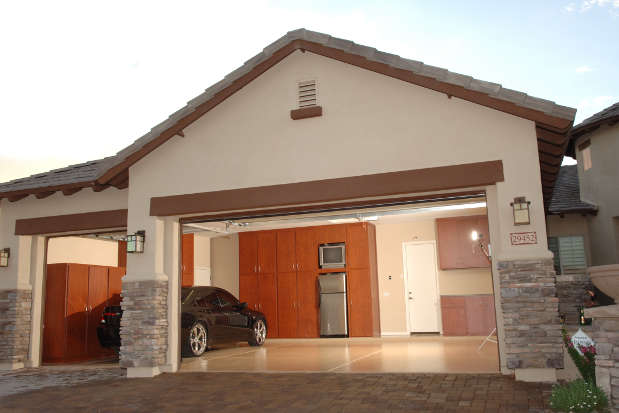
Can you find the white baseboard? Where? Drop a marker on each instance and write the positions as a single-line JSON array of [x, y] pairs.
[[142, 372], [394, 333], [11, 366]]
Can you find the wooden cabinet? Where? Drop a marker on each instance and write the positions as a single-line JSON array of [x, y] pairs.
[[248, 290], [306, 249], [308, 311], [360, 320], [187, 261], [456, 248], [75, 297], [266, 252], [286, 251], [248, 253], [287, 304], [267, 300], [471, 315]]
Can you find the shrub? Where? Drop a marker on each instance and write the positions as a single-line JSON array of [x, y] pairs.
[[578, 396], [585, 362]]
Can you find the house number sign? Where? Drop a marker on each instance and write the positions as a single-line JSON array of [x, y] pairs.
[[523, 238]]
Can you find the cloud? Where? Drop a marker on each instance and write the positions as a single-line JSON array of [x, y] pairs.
[[590, 106], [587, 5], [583, 69], [570, 7]]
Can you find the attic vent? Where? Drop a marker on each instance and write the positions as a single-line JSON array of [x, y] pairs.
[[307, 93]]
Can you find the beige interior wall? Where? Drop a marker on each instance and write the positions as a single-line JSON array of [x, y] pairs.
[[225, 263], [82, 251], [201, 259], [389, 240]]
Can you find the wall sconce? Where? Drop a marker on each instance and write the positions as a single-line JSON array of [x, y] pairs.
[[4, 257], [135, 242], [477, 236], [521, 211]]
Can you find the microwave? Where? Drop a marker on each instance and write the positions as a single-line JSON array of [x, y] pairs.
[[332, 255]]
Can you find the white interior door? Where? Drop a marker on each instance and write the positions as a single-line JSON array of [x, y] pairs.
[[422, 287]]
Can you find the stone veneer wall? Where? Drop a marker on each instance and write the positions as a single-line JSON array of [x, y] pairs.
[[571, 290], [144, 324], [605, 333], [530, 314], [15, 315]]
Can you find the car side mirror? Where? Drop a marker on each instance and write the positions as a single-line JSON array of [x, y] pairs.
[[242, 306]]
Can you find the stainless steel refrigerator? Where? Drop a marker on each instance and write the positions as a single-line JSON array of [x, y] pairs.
[[333, 320]]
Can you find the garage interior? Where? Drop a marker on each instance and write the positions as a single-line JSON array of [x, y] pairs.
[[83, 277], [418, 293]]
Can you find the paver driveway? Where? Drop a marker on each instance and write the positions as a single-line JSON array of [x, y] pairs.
[[289, 392]]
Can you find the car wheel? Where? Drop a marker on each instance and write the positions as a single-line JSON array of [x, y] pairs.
[[197, 341], [259, 333]]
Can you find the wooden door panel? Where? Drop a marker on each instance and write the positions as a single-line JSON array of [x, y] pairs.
[[248, 290], [115, 284], [357, 246], [97, 300], [187, 260], [248, 252], [286, 259], [54, 327], [267, 292], [77, 313], [306, 249], [122, 253], [287, 304], [453, 314], [360, 317], [331, 234], [479, 315], [267, 246], [456, 248], [308, 320]]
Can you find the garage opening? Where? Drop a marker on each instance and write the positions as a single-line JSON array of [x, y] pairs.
[[82, 291], [382, 288]]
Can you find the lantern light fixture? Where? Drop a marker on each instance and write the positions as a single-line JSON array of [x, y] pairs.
[[521, 211], [135, 242], [4, 257]]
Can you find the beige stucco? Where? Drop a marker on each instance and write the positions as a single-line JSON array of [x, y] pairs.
[[82, 251], [389, 240], [570, 224]]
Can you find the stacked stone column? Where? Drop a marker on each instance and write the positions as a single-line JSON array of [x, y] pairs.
[[530, 314], [144, 324], [15, 316]]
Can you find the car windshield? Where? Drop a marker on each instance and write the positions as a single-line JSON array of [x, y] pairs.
[[186, 294]]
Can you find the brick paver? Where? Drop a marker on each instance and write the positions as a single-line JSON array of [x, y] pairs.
[[290, 392]]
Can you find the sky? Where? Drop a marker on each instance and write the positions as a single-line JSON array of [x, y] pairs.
[[82, 80]]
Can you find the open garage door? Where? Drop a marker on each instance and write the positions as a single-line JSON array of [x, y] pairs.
[[404, 287]]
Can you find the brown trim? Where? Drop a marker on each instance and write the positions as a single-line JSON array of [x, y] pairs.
[[15, 198], [304, 113], [542, 119], [70, 191], [72, 222], [34, 191], [584, 145], [309, 209], [42, 195], [330, 190]]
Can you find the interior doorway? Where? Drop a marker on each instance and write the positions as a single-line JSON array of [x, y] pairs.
[[422, 290]]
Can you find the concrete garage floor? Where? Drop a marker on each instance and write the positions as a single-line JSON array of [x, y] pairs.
[[415, 354]]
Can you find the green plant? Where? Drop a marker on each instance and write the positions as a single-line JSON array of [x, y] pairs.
[[585, 362], [578, 396]]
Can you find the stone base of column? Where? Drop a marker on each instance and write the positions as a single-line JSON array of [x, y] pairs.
[[530, 315], [571, 290], [144, 327], [605, 333], [15, 319]]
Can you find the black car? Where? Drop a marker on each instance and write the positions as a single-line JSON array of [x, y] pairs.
[[209, 315]]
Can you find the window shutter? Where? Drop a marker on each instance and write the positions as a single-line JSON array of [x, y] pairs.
[[553, 245], [572, 252]]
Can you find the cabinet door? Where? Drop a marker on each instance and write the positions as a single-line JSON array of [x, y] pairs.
[[97, 300], [453, 312], [357, 246], [286, 259], [77, 311], [330, 234], [306, 249], [287, 304], [360, 317], [115, 285], [187, 260], [54, 329], [248, 253], [248, 290], [122, 254], [479, 315], [267, 292], [266, 251], [308, 322]]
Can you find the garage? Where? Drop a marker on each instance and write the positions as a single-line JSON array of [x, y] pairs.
[[414, 287]]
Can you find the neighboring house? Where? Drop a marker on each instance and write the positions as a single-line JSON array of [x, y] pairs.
[[594, 143], [311, 123]]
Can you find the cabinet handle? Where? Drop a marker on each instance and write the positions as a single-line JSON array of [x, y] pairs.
[[255, 268]]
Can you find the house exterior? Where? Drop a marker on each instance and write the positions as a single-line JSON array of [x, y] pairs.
[[379, 128]]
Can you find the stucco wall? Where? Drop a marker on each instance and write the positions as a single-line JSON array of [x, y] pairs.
[[82, 251], [599, 185], [570, 224], [371, 124], [389, 240]]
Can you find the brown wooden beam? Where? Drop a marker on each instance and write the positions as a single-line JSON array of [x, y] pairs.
[[15, 198], [181, 133], [99, 188], [74, 222], [42, 195], [71, 191]]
